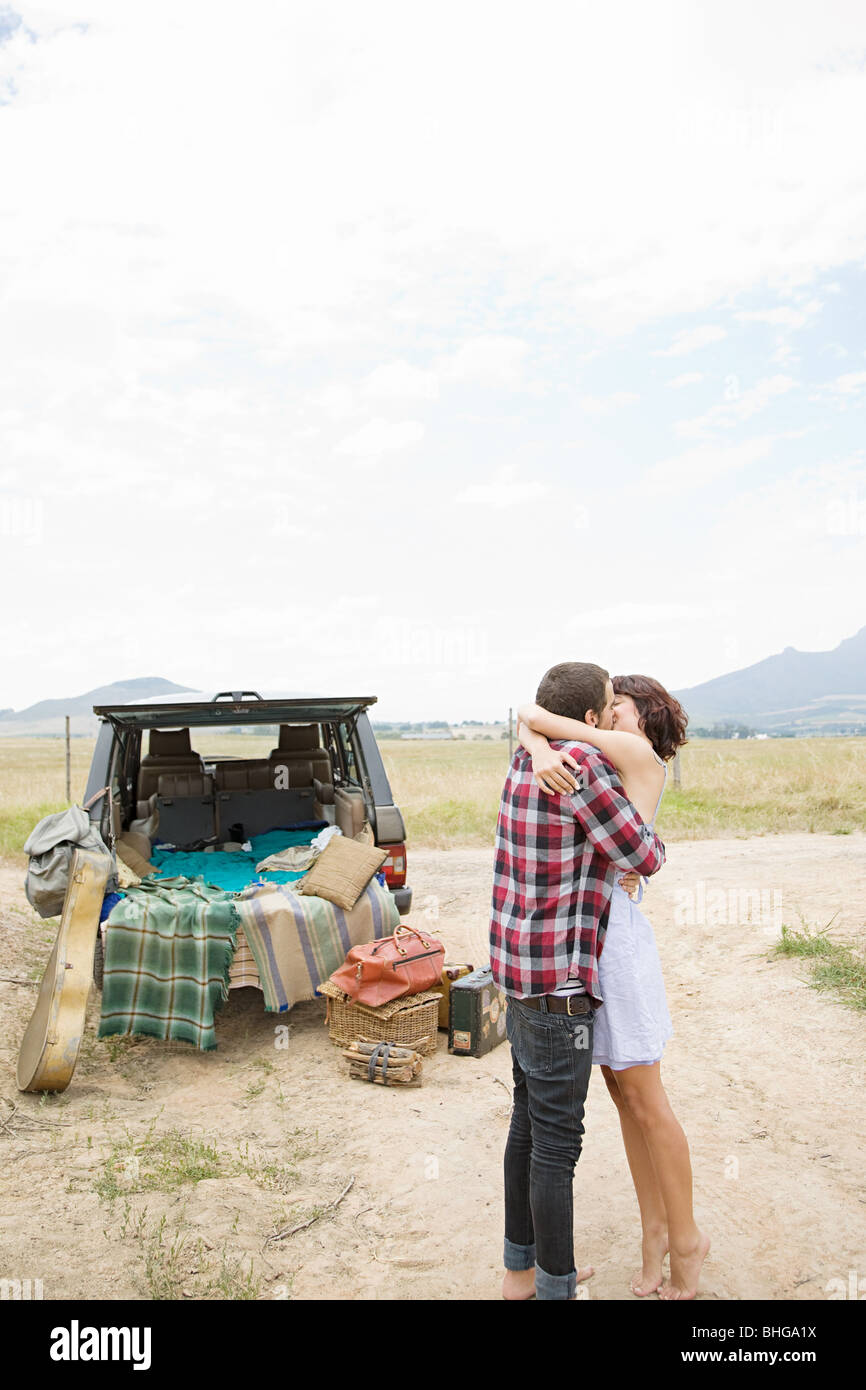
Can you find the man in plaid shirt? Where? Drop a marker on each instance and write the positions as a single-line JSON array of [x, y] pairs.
[[556, 861]]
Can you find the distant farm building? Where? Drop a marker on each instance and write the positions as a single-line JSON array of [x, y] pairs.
[[430, 733]]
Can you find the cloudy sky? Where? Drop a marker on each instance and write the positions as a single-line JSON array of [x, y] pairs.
[[408, 348]]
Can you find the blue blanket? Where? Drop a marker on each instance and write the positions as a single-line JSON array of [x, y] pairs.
[[235, 870]]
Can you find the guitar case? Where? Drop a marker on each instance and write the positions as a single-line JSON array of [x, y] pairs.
[[51, 1043]]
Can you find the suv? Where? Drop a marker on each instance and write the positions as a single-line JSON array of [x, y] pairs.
[[326, 767]]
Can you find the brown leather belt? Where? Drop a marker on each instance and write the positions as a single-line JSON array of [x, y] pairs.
[[560, 1003]]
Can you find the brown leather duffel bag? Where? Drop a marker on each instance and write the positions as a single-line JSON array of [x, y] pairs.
[[377, 972]]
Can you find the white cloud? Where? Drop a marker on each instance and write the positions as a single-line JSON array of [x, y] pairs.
[[637, 615], [787, 319], [488, 360], [782, 316], [737, 407], [817, 510], [605, 405], [690, 339], [507, 489], [706, 463], [398, 381], [687, 379], [783, 354], [379, 437], [846, 389], [833, 350]]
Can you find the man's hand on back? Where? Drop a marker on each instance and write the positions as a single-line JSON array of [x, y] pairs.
[[611, 822]]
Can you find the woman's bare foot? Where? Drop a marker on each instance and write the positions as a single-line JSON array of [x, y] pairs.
[[685, 1271], [519, 1284], [648, 1278]]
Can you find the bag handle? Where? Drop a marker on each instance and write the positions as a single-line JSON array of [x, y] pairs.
[[410, 931], [414, 931]]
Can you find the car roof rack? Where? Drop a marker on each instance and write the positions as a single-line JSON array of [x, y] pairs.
[[250, 709]]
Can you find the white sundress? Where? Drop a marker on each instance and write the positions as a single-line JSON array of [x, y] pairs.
[[633, 1024]]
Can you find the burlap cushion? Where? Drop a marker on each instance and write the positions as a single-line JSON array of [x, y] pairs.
[[137, 841], [342, 871], [132, 859]]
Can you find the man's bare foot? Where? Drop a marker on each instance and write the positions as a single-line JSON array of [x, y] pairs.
[[648, 1278], [519, 1284], [685, 1271]]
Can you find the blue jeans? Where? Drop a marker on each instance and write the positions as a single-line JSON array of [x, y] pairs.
[[551, 1057]]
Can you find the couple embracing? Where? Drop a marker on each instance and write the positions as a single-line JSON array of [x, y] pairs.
[[578, 962]]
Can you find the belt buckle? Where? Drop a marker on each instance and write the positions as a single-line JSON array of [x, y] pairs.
[[568, 1003]]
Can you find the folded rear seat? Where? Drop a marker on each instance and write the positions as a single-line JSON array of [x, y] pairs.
[[247, 796], [185, 801]]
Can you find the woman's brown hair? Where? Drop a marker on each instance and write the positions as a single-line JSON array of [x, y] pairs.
[[660, 715]]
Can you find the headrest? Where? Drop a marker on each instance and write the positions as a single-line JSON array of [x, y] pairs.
[[184, 784], [166, 743], [298, 738]]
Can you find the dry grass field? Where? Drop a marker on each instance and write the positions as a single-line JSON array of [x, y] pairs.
[[449, 790]]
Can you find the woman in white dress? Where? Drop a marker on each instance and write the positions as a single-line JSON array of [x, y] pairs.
[[633, 1024]]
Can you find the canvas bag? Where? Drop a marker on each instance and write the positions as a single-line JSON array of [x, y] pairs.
[[51, 845], [406, 963]]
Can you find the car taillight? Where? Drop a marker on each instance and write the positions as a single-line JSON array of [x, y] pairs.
[[394, 867]]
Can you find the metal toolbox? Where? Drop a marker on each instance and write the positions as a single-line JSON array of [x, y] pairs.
[[476, 1019]]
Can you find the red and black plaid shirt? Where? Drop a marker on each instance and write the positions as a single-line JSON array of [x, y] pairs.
[[557, 858]]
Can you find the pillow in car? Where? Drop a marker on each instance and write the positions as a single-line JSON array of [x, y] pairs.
[[342, 871]]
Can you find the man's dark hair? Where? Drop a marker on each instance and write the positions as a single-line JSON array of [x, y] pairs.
[[572, 688]]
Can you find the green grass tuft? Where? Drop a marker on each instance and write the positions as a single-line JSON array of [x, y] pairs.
[[158, 1163], [844, 970], [803, 943], [834, 966]]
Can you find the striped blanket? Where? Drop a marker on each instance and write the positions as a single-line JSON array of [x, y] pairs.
[[297, 942], [167, 958], [242, 972]]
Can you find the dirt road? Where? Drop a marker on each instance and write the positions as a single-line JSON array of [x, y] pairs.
[[766, 1075]]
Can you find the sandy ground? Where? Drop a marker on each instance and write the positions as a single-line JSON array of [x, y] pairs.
[[766, 1074]]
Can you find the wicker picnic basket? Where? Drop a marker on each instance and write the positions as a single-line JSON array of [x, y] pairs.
[[411, 1021]]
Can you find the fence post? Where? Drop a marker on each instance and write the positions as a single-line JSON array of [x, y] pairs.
[[68, 764], [510, 735], [677, 770]]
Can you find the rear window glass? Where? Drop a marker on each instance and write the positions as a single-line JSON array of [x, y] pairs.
[[348, 752], [217, 743]]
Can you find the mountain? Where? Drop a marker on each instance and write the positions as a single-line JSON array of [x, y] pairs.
[[795, 691], [48, 716]]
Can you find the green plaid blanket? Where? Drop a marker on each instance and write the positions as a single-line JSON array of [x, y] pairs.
[[167, 958]]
